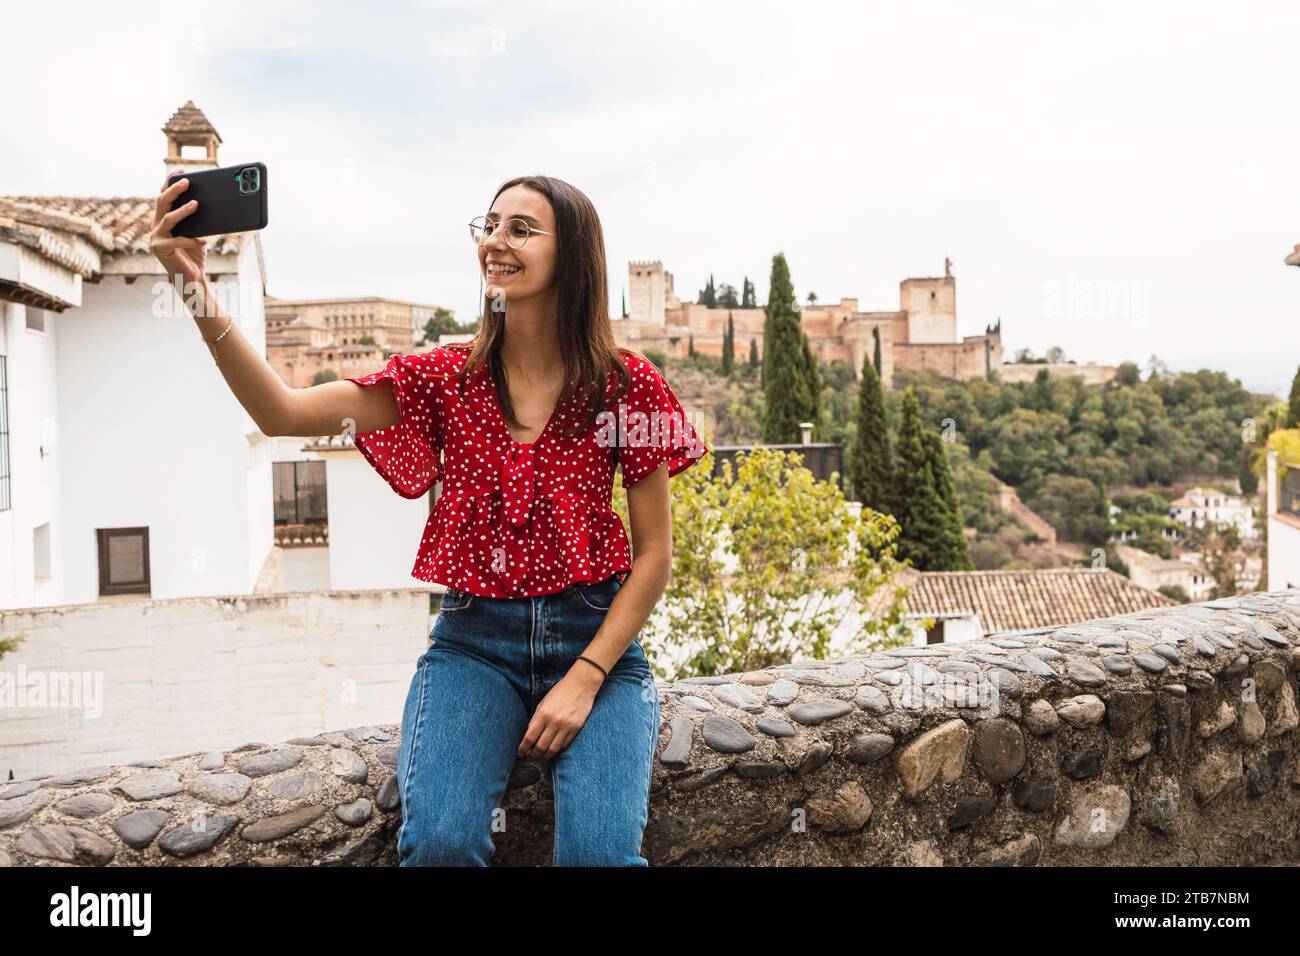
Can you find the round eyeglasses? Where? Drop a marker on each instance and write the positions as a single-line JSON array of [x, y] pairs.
[[516, 231]]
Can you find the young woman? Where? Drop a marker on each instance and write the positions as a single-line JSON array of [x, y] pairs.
[[535, 652]]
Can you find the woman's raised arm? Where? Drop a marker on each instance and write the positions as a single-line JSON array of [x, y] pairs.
[[326, 409]]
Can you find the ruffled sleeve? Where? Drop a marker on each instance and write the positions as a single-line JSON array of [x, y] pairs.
[[657, 428], [407, 454]]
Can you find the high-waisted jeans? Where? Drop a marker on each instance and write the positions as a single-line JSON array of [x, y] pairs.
[[471, 700]]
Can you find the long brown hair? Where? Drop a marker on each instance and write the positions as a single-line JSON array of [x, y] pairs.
[[585, 332]]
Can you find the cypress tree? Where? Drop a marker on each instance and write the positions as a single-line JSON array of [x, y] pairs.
[[753, 353], [690, 345], [916, 500], [785, 370], [875, 333], [767, 342], [709, 295], [950, 551], [729, 346], [871, 465], [914, 496], [747, 300], [812, 373], [1293, 406]]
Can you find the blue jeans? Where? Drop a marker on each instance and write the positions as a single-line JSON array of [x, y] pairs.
[[471, 700]]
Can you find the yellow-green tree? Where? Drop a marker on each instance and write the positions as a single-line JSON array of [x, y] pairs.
[[801, 565]]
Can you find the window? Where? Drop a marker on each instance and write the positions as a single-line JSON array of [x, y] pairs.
[[35, 319], [123, 560], [298, 492], [934, 635]]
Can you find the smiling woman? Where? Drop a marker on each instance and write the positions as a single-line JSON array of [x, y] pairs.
[[542, 582]]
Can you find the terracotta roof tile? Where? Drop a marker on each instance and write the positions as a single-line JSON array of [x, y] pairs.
[[190, 119], [117, 225], [1022, 600]]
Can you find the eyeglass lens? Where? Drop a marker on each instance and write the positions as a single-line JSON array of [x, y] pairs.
[[516, 231]]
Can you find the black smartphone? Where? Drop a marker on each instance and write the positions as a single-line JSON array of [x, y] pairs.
[[231, 199]]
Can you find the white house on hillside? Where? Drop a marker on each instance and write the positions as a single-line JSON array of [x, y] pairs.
[[1201, 506]]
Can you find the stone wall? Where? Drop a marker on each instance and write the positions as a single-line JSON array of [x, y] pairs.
[[133, 678], [971, 358], [1165, 737], [1025, 372]]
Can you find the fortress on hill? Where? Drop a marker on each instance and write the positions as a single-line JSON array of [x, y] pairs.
[[920, 334]]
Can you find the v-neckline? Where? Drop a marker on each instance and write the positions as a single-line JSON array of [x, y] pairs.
[[501, 418]]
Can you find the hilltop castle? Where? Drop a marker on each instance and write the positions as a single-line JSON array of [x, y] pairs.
[[922, 334]]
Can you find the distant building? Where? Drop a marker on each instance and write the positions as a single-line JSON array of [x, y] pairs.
[[1199, 507], [920, 334], [968, 605], [1154, 572], [307, 336]]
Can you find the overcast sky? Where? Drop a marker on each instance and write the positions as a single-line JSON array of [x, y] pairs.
[[1117, 179]]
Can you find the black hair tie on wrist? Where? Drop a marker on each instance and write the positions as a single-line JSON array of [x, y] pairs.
[[583, 657]]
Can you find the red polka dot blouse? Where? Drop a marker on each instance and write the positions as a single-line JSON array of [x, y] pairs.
[[519, 519]]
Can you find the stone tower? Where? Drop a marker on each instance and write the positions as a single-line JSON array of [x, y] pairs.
[[931, 308], [648, 289]]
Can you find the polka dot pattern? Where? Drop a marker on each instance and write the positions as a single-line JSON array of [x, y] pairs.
[[520, 519]]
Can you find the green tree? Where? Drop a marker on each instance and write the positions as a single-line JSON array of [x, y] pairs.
[[875, 334], [729, 347], [950, 549], [747, 300], [444, 323], [1293, 405], [709, 295], [753, 353], [1246, 477], [871, 458], [786, 385], [813, 377], [917, 505], [324, 375], [1074, 507], [805, 568]]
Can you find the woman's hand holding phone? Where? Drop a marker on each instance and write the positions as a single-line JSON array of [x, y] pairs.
[[181, 257]]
